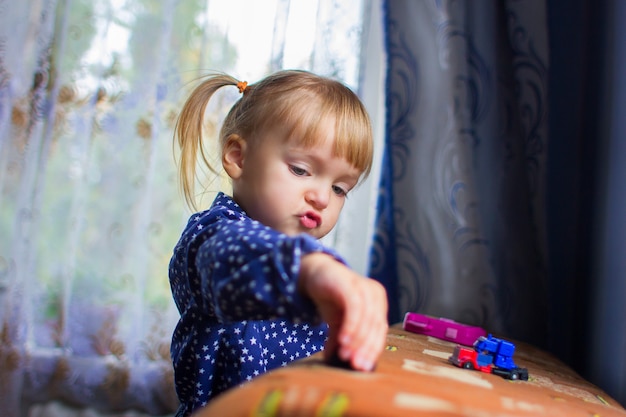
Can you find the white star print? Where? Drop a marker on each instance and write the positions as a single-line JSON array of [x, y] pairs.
[[212, 327]]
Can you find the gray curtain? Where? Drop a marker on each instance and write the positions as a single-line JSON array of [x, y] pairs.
[[502, 198], [461, 219]]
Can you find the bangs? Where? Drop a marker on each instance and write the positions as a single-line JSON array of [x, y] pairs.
[[302, 118]]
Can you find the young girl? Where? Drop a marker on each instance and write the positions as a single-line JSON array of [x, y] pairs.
[[254, 287]]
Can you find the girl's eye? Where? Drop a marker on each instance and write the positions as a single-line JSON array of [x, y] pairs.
[[300, 172], [339, 191]]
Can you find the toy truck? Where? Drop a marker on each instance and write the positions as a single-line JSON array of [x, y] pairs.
[[491, 355], [442, 328]]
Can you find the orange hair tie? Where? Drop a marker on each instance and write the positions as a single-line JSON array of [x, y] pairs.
[[242, 85]]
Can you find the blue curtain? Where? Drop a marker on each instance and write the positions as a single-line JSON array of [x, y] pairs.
[[501, 200], [587, 182]]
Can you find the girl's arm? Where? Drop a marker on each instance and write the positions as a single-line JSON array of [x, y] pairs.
[[248, 271], [355, 308]]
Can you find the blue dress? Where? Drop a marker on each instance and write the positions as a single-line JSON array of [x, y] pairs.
[[234, 283]]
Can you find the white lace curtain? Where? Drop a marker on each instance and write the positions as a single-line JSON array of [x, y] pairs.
[[90, 209]]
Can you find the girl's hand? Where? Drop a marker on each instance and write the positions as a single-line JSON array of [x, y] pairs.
[[354, 306]]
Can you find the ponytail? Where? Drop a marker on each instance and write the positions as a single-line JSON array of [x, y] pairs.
[[189, 129]]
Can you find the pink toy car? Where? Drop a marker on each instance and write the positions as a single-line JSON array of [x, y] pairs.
[[442, 328]]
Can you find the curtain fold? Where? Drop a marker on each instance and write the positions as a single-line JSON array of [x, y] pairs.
[[604, 339]]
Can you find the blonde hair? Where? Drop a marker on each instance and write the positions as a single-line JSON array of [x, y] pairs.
[[292, 99]]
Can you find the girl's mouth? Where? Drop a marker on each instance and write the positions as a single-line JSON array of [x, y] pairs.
[[310, 220]]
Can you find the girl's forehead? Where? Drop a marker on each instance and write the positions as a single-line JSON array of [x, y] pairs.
[[302, 129], [310, 126]]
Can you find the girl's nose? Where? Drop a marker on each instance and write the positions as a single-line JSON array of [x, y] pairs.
[[318, 197]]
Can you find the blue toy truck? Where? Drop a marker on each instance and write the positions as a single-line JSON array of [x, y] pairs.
[[489, 354]]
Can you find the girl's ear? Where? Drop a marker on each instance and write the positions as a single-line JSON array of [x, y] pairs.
[[233, 155]]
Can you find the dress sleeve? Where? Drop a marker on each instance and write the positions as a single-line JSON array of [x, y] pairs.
[[249, 272]]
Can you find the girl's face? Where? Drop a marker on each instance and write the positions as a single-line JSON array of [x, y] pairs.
[[294, 189]]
